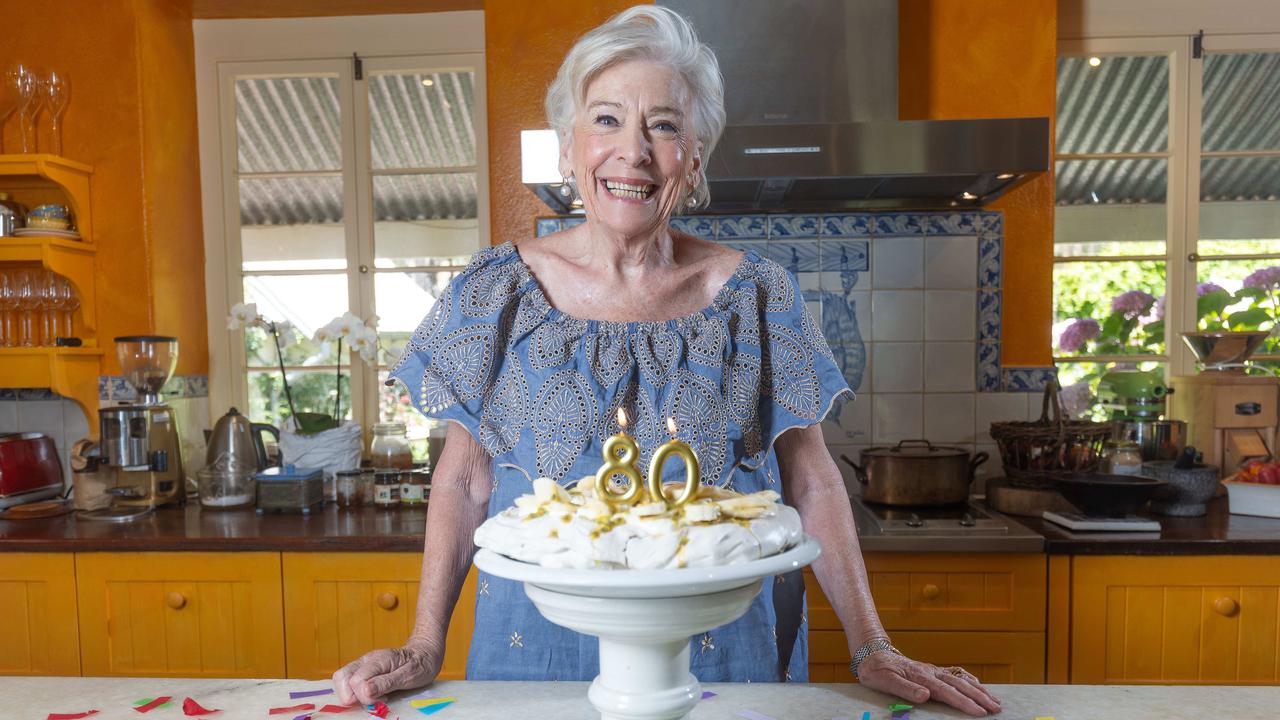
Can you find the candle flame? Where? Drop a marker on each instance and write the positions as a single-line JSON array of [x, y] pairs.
[[671, 425], [622, 418]]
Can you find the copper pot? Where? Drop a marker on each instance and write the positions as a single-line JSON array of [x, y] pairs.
[[916, 472]]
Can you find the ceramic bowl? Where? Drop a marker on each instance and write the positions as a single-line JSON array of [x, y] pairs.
[[1188, 490], [57, 217], [1099, 495]]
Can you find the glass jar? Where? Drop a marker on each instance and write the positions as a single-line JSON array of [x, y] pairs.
[[413, 488], [1122, 457], [366, 487], [386, 489], [348, 482], [390, 447]]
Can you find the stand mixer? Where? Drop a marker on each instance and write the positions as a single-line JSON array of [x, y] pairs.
[[138, 442]]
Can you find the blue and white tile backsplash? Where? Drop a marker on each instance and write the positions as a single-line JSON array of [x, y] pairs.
[[911, 304]]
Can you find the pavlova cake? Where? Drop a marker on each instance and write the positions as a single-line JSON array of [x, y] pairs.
[[574, 528]]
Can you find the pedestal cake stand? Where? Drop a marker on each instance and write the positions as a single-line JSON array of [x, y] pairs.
[[644, 619]]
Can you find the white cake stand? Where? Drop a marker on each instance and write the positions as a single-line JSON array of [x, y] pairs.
[[644, 619]]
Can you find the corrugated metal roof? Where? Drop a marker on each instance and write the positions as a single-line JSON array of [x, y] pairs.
[[292, 124], [1122, 106]]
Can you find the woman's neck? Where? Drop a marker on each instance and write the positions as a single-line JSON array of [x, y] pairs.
[[621, 254]]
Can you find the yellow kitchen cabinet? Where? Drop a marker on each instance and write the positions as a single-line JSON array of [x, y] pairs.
[[38, 631], [181, 614], [339, 606], [985, 611], [1177, 620]]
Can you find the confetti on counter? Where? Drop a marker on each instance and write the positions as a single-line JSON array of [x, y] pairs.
[[303, 716], [899, 706], [753, 715], [866, 715], [338, 708], [707, 694], [378, 709], [1044, 718], [299, 694], [146, 705], [294, 708], [71, 716], [430, 706], [191, 707]]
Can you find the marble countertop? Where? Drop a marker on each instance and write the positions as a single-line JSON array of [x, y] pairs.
[[25, 698]]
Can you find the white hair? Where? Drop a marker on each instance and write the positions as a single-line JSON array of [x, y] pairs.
[[655, 34]]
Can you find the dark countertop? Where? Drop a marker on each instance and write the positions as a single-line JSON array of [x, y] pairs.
[[371, 530], [1217, 533]]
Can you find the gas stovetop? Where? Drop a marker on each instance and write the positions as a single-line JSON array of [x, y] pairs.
[[961, 528]]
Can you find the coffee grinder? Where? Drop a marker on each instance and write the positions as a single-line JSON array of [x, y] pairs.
[[139, 441], [1231, 415]]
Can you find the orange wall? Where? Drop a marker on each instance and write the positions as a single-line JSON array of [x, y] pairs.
[[524, 45], [132, 117], [994, 58]]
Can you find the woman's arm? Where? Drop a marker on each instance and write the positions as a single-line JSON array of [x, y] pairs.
[[812, 485], [460, 488]]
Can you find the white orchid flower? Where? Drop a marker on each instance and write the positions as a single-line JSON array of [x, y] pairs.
[[364, 342], [348, 326], [284, 329], [242, 315]]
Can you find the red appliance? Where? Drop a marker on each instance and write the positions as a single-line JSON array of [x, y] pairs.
[[29, 468]]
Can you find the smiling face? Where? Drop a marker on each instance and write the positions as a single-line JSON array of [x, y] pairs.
[[633, 153]]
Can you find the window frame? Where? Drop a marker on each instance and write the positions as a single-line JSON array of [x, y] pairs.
[[229, 49], [1184, 154]]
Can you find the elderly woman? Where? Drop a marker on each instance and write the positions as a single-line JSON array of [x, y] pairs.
[[531, 350]]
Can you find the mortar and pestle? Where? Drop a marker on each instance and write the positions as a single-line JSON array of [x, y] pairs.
[[1190, 484]]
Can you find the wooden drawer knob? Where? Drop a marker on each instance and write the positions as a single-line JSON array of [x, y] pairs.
[[175, 600], [1226, 606], [930, 591], [388, 601]]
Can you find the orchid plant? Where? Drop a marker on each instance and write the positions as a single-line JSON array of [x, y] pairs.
[[362, 340]]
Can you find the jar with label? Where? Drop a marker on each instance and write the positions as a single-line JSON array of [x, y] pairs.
[[390, 447], [348, 482], [413, 488], [386, 489], [367, 486], [1122, 457]]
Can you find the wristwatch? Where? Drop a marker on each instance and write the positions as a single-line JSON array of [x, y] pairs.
[[871, 646]]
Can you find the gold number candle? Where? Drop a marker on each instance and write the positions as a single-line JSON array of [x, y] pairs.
[[619, 463], [692, 473]]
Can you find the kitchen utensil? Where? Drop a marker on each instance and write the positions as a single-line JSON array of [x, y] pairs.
[[12, 215], [1034, 452], [236, 443], [1099, 495], [916, 472], [1025, 501], [36, 511], [226, 489], [1224, 351], [1231, 417], [1157, 439], [290, 489], [1129, 394], [53, 217], [1188, 490], [29, 468]]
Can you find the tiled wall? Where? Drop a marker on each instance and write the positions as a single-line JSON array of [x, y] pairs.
[[911, 304], [40, 410]]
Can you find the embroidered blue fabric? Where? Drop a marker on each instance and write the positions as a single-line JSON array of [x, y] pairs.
[[540, 390]]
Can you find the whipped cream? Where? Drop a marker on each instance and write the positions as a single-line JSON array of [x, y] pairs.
[[558, 527]]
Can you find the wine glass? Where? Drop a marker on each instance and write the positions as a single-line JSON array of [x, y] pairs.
[[24, 81], [43, 288], [56, 89], [64, 306], [25, 283], [8, 303], [8, 97]]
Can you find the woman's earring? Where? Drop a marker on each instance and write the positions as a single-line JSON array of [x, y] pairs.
[[691, 201], [565, 188]]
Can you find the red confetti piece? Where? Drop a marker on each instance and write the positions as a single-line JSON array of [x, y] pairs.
[[71, 716], [379, 709], [338, 708], [191, 707], [154, 704], [295, 708]]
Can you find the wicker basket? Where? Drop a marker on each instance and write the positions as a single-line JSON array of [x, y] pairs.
[[1034, 452]]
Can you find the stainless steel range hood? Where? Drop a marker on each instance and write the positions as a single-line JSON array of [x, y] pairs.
[[811, 95]]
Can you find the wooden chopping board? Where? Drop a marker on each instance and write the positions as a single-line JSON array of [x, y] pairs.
[[1027, 502]]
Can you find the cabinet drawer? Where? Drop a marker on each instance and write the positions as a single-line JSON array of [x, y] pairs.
[[1175, 620], [181, 614], [941, 591], [339, 606], [995, 657], [38, 630], [1244, 406]]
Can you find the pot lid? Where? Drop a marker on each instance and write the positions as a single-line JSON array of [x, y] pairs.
[[916, 448]]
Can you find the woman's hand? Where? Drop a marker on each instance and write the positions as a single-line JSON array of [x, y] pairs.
[[377, 673], [917, 682]]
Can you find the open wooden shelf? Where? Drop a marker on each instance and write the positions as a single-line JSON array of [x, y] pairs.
[[71, 259], [38, 179], [70, 372]]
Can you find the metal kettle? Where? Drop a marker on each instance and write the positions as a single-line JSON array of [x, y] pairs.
[[236, 443]]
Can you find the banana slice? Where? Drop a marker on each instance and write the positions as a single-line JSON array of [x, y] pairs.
[[649, 509], [594, 509], [745, 507], [527, 505], [701, 512]]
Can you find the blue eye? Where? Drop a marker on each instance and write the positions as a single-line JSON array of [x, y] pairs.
[[666, 127], [606, 120]]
